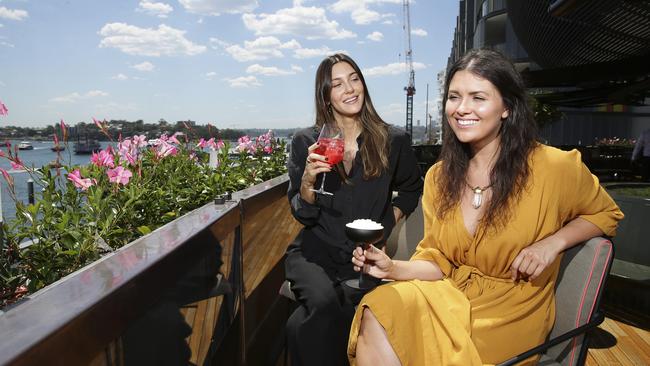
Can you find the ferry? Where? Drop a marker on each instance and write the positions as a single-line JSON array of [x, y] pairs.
[[25, 145], [87, 146]]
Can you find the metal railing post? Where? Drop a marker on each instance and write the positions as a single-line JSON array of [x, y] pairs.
[[30, 191]]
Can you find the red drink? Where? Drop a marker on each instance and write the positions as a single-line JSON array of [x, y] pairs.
[[332, 149]]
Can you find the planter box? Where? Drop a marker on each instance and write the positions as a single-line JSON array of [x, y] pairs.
[[200, 289]]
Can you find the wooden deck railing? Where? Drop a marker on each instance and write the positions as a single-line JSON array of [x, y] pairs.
[[202, 288]]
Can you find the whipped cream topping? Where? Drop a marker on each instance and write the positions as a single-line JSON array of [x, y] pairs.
[[365, 224]]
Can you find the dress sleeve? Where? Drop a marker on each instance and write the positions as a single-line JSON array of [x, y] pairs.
[[305, 212], [407, 180], [427, 249], [586, 198]]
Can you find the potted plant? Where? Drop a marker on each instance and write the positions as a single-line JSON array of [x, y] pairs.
[[84, 212]]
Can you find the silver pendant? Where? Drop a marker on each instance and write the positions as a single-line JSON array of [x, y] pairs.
[[477, 200]]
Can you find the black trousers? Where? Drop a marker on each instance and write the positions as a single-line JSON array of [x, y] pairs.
[[318, 330]]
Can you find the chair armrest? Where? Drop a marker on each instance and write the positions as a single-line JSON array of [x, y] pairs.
[[593, 323]]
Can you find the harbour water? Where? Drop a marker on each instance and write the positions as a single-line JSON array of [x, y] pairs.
[[42, 154]]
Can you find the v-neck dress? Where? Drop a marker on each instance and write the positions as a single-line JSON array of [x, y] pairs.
[[477, 314]]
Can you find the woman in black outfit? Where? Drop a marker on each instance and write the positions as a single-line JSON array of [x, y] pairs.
[[378, 160]]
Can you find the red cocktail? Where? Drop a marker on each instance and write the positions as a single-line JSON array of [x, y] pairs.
[[332, 149], [331, 144]]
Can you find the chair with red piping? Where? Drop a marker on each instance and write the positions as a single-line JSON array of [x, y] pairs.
[[579, 288]]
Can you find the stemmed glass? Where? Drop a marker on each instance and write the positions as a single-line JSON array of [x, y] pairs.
[[331, 144], [364, 237]]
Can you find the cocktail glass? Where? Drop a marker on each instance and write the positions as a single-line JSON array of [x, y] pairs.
[[363, 238], [331, 144]]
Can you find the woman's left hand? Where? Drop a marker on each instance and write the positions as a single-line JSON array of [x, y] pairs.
[[534, 259]]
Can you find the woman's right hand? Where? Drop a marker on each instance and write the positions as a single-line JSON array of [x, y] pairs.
[[314, 165], [373, 261]]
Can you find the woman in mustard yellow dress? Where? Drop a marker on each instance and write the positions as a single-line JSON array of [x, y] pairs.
[[499, 210]]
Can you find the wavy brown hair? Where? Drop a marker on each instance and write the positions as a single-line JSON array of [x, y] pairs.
[[518, 138], [375, 148]]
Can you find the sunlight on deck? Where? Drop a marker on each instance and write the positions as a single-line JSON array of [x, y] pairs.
[[617, 343]]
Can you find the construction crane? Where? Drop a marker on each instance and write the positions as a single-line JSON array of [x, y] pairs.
[[410, 88]]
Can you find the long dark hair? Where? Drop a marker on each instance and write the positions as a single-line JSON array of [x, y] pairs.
[[375, 148], [517, 134]]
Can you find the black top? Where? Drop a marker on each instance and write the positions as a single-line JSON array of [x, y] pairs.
[[361, 199]]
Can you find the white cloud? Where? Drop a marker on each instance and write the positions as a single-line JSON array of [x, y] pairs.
[[260, 49], [308, 22], [210, 75], [161, 10], [144, 66], [272, 70], [13, 14], [6, 44], [395, 68], [113, 108], [1, 25], [216, 43], [120, 77], [419, 32], [216, 7], [315, 52], [375, 36], [75, 97], [359, 11], [132, 40], [243, 82]]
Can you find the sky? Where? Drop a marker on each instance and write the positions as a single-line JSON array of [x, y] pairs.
[[231, 63]]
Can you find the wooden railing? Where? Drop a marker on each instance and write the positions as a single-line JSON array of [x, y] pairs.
[[202, 289]]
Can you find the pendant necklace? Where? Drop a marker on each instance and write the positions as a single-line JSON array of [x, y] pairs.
[[477, 200]]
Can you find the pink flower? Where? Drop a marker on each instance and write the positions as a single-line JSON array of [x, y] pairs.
[[140, 140], [125, 155], [3, 109], [245, 144], [119, 175], [16, 165], [173, 138], [103, 158], [166, 149], [7, 177], [79, 182], [202, 143], [268, 149]]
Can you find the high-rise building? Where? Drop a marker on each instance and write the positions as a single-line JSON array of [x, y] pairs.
[[586, 58]]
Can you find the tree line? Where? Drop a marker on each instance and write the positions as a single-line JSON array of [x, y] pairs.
[[83, 130]]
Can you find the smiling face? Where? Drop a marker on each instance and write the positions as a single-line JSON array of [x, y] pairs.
[[474, 109], [346, 93]]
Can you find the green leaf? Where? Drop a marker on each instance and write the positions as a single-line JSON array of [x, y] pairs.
[[144, 230]]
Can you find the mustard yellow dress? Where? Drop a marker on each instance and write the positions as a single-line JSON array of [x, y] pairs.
[[477, 315]]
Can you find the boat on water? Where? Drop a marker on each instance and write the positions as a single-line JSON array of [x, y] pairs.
[[25, 145], [87, 146]]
